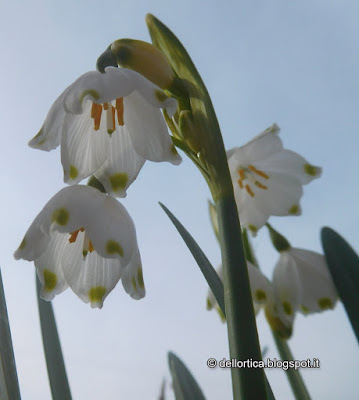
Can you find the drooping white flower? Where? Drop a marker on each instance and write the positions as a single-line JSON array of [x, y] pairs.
[[108, 124], [268, 179], [302, 282], [86, 240], [261, 289]]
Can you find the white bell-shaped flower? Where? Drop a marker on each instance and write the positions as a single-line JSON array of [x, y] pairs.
[[302, 282], [84, 239], [268, 179], [108, 124]]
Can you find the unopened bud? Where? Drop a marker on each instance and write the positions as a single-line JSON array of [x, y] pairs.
[[279, 241], [145, 59], [188, 130]]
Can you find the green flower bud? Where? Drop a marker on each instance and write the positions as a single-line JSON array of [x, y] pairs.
[[145, 59], [279, 241]]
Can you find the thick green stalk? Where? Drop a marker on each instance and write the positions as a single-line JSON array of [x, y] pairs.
[[296, 382], [241, 323]]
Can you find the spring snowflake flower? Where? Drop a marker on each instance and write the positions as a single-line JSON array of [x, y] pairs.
[[108, 124], [261, 289], [302, 282], [86, 240], [268, 179]]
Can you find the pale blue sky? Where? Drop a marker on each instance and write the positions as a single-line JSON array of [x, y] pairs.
[[263, 61]]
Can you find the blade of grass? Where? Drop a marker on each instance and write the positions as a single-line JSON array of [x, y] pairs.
[[60, 388]]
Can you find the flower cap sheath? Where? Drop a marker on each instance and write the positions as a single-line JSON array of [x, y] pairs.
[[108, 124], [268, 179], [84, 239]]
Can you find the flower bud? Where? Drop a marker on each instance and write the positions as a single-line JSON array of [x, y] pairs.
[[145, 59], [279, 241], [188, 130]]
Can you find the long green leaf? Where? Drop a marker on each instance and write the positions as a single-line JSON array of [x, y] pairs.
[[184, 385], [9, 385], [210, 274], [343, 264], [208, 271], [60, 388]]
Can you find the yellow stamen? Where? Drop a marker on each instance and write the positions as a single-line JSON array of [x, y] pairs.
[[258, 172], [96, 112], [74, 234], [240, 183], [260, 185], [119, 109], [105, 106], [249, 190]]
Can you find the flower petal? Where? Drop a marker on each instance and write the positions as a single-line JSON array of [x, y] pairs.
[[98, 87], [83, 150], [148, 130], [49, 136], [318, 291], [92, 277], [261, 287], [286, 285], [259, 148], [49, 269], [122, 164], [132, 278]]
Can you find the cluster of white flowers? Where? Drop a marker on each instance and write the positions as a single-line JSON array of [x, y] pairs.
[[268, 180], [108, 125]]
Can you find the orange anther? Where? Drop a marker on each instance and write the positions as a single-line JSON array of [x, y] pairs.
[[106, 106], [240, 183], [119, 109], [74, 234], [260, 185], [258, 172], [96, 112], [91, 248], [241, 174], [249, 190]]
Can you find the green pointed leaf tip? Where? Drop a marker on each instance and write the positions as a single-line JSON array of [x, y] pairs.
[[184, 384], [343, 263], [210, 274]]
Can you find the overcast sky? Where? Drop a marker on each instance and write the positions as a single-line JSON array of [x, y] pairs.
[[263, 61]]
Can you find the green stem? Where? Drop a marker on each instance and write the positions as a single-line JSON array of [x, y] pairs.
[[248, 383], [296, 382]]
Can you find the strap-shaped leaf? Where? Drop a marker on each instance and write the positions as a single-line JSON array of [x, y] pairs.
[[60, 388], [210, 274], [184, 384], [343, 264], [9, 385]]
